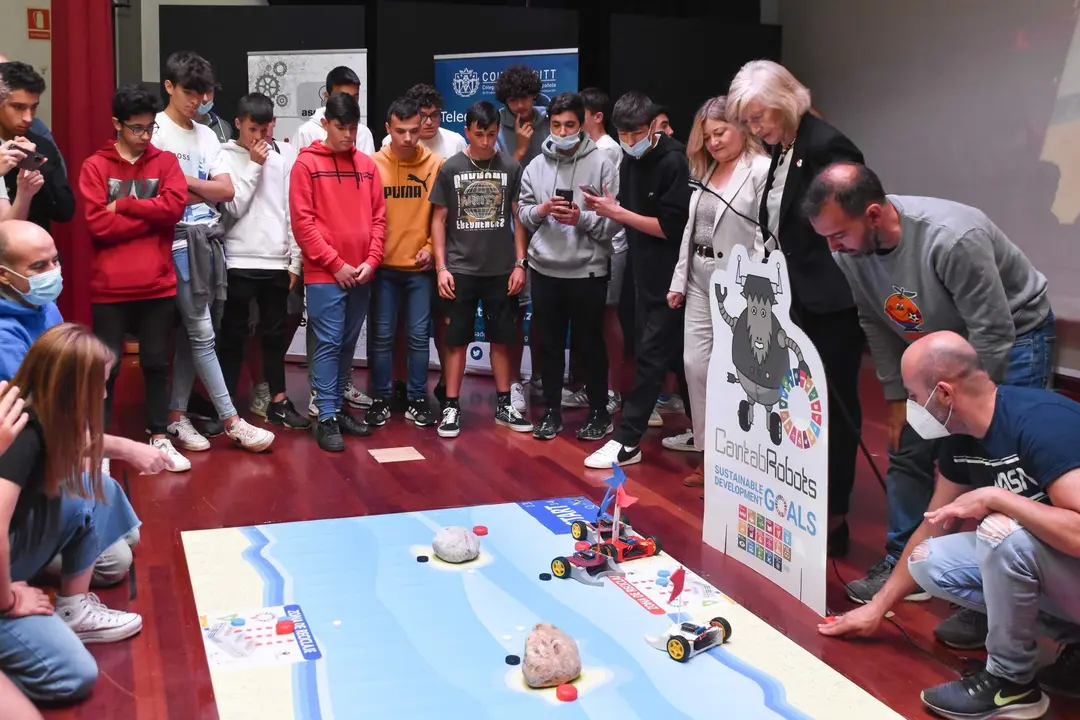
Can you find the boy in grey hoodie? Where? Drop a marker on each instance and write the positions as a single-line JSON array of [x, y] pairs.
[[569, 257]]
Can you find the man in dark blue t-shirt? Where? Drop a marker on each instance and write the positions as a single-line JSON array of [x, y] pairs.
[[1009, 459]]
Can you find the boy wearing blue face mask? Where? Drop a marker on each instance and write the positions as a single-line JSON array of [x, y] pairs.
[[653, 205], [205, 115]]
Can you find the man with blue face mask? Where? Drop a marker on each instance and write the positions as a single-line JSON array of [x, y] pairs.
[[1009, 459], [653, 205]]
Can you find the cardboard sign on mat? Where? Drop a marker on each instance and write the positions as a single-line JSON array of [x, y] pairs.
[[766, 420]]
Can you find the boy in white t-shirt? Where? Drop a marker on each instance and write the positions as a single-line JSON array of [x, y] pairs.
[[345, 80], [198, 253]]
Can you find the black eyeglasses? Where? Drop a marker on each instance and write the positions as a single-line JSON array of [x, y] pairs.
[[429, 116], [140, 130]]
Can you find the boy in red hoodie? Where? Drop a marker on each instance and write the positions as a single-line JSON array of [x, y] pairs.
[[339, 221], [133, 195]]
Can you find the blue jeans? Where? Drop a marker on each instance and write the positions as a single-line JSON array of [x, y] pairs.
[[394, 290], [41, 654], [335, 316], [195, 347], [910, 480]]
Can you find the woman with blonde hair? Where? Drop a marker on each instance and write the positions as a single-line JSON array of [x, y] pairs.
[[55, 499], [774, 106], [728, 171]]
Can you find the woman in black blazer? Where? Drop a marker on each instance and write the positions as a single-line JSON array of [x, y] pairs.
[[766, 98]]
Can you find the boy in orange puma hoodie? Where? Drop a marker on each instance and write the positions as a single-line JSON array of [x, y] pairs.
[[339, 221], [404, 283]]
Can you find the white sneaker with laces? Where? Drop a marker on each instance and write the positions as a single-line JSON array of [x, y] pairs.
[[655, 420], [88, 618], [572, 399], [312, 408], [248, 436], [188, 437], [177, 462], [517, 396], [356, 398], [260, 399], [613, 452], [683, 442]]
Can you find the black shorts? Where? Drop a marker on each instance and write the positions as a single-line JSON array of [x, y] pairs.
[[500, 310]]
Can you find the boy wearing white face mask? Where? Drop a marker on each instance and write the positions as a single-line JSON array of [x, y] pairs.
[[918, 265]]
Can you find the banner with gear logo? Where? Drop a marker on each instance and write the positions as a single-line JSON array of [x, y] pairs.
[[766, 431], [469, 78]]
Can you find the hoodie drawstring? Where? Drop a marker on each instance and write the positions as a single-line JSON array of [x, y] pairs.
[[337, 171]]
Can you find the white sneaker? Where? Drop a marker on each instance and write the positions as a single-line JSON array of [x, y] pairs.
[[177, 462], [655, 420], [188, 437], [355, 397], [248, 436], [572, 399], [517, 396], [93, 622], [312, 408], [260, 399], [670, 403], [613, 452], [683, 442], [614, 402]]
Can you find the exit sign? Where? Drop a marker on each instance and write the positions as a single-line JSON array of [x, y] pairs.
[[38, 24]]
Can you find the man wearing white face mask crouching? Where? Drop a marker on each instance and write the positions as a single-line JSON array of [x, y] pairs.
[[918, 265], [1009, 459]]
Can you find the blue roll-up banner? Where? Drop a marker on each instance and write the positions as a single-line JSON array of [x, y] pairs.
[[469, 78]]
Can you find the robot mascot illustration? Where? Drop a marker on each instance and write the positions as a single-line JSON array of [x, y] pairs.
[[759, 348]]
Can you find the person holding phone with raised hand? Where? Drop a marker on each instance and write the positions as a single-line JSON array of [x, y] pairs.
[[13, 153]]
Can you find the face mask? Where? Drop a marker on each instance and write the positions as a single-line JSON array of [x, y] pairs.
[[564, 143], [44, 288], [639, 148], [205, 108], [923, 421]]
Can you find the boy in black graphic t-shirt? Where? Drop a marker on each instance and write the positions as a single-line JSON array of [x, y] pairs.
[[480, 257]]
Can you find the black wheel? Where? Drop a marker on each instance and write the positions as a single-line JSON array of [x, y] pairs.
[[678, 649], [608, 549], [560, 568], [775, 428], [579, 530], [724, 626], [745, 420], [656, 541]]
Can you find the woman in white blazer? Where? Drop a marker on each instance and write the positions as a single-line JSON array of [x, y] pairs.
[[728, 169]]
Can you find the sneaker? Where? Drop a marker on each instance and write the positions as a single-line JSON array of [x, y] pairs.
[[249, 437], [312, 408], [614, 402], [596, 427], [613, 452], [683, 442], [517, 397], [550, 426], [189, 438], [378, 413], [420, 412], [1063, 677], [670, 404], [862, 591], [575, 399], [401, 397], [655, 420], [355, 397], [450, 425], [351, 426], [260, 399], [93, 622], [509, 416], [966, 630], [284, 413], [981, 696], [177, 462], [328, 435]]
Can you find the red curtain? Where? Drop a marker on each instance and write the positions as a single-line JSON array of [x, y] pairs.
[[83, 83]]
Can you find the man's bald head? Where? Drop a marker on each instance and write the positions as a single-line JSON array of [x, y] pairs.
[[940, 357], [25, 250]]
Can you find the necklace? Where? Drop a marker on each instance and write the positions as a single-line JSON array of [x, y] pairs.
[[784, 153], [491, 160]]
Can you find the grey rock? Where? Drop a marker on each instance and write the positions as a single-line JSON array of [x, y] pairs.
[[456, 544], [551, 657]]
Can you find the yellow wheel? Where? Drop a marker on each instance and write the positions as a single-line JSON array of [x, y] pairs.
[[579, 530], [678, 649], [560, 568]]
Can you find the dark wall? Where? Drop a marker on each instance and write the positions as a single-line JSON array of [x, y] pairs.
[[681, 62], [427, 29], [225, 34]]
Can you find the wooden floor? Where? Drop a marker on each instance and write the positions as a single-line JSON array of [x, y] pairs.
[[162, 673]]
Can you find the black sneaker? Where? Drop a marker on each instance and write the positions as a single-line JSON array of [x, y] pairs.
[[981, 696], [401, 397], [864, 589], [966, 630], [450, 425], [507, 416], [420, 413], [597, 427], [1063, 677], [328, 435], [352, 426], [378, 413], [550, 426], [283, 413]]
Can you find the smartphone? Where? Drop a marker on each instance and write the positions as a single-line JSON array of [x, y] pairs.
[[32, 161], [590, 190], [567, 195]]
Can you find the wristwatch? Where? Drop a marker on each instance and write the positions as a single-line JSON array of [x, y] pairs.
[[441, 268], [520, 264]]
